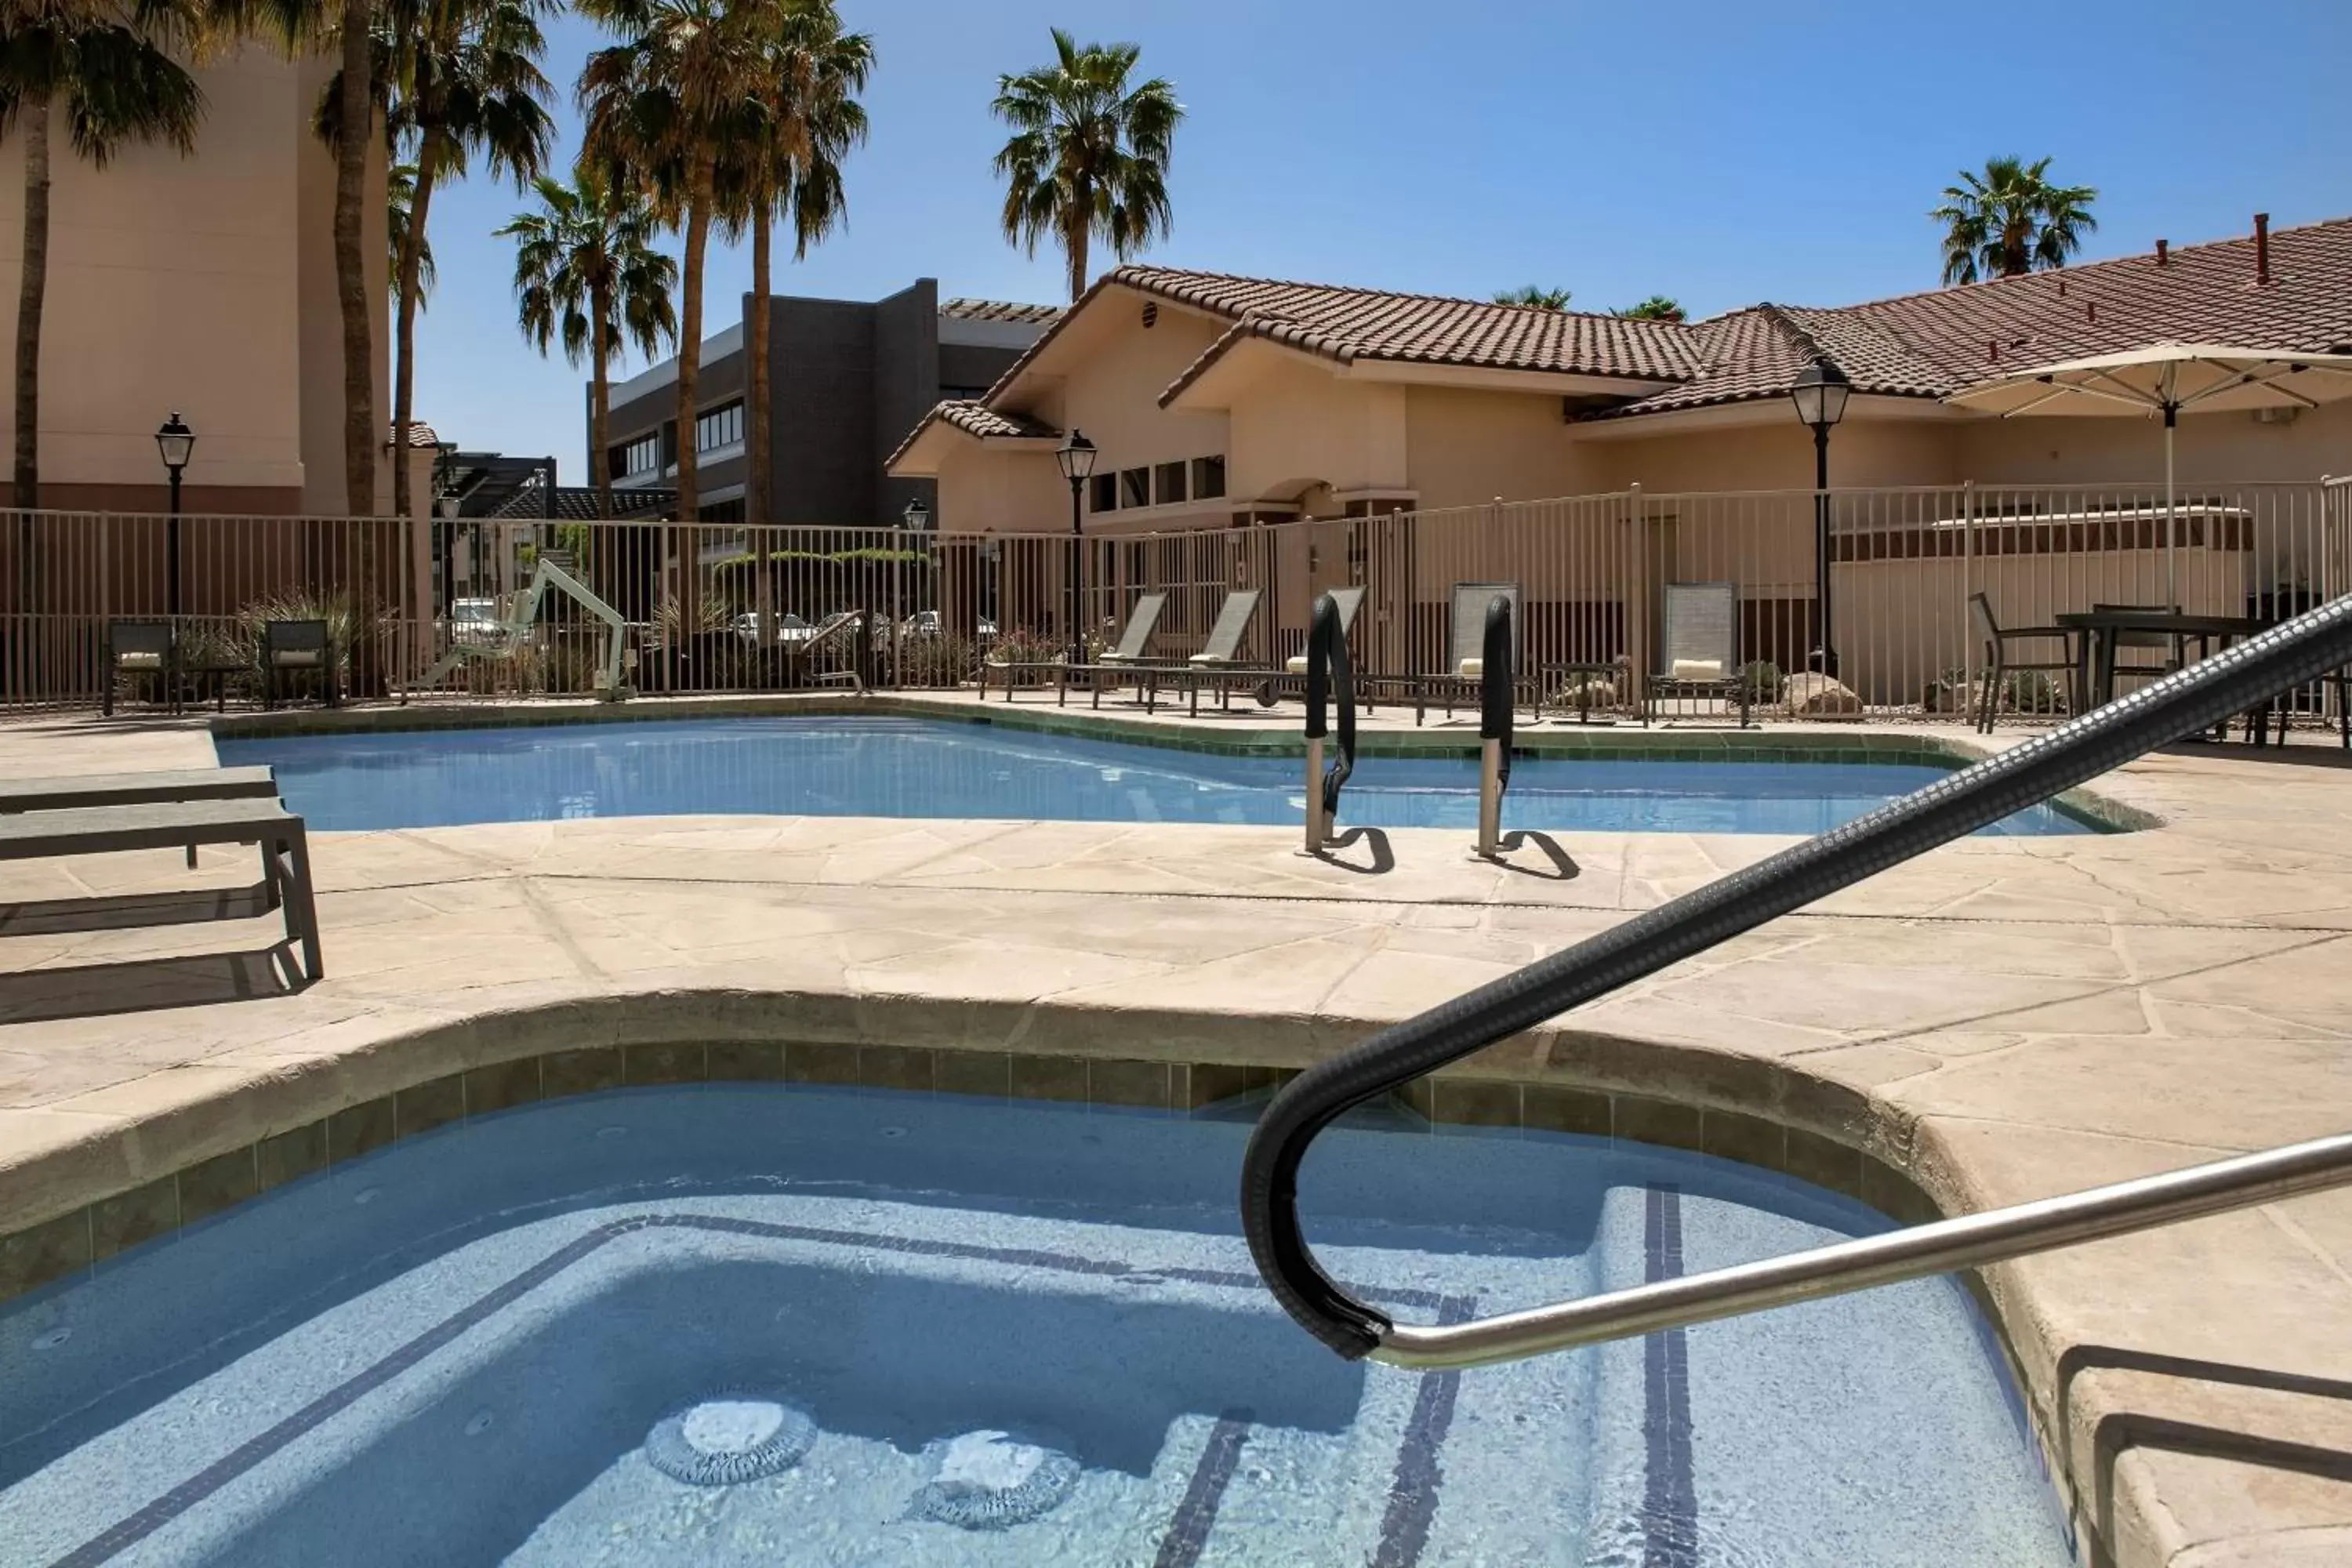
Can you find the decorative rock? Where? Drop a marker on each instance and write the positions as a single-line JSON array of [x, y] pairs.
[[1814, 696]]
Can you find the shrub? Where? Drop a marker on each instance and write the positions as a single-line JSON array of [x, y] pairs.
[[937, 660], [1764, 681], [1022, 647], [2030, 691]]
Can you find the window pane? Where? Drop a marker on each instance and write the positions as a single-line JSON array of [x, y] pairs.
[[1134, 487], [1106, 492], [1167, 482], [1208, 478]]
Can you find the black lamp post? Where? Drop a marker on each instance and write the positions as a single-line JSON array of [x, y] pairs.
[[176, 442], [918, 516], [1819, 393], [1076, 456]]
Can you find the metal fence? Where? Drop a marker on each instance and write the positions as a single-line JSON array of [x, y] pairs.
[[732, 607]]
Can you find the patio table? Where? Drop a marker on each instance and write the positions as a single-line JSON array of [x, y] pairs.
[[2104, 629]]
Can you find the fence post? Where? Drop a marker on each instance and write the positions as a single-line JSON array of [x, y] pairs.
[[1637, 600], [1967, 571]]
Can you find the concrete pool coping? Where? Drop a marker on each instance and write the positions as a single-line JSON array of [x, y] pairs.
[[2005, 1019]]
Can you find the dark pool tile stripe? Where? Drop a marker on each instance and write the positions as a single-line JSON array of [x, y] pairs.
[[1412, 1491], [156, 1515], [1188, 1536], [1669, 1493]]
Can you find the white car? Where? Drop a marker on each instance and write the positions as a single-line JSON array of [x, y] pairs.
[[789, 627]]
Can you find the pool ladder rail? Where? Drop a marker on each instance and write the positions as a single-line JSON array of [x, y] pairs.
[[2183, 703], [1330, 678]]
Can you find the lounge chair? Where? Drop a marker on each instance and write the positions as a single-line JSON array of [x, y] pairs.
[[181, 824], [1999, 664], [141, 649], [1218, 662], [138, 789], [293, 649], [1699, 648], [1463, 678], [1128, 656], [1346, 601]]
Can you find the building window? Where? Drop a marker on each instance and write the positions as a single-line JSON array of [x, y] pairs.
[[641, 455], [1168, 483], [720, 428], [1106, 492], [1208, 478], [1134, 487]]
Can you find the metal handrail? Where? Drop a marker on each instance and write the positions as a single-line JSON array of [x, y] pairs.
[[1498, 685], [1328, 675], [2183, 703]]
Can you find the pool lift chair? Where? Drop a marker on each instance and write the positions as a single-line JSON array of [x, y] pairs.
[[512, 634], [2182, 703]]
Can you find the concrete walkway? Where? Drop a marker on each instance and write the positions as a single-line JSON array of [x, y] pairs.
[[2002, 1019]]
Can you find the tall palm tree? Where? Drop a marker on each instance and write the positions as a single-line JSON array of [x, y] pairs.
[[1536, 296], [109, 63], [400, 189], [2011, 220], [1656, 307], [467, 79], [660, 107], [586, 271], [1088, 153], [807, 119]]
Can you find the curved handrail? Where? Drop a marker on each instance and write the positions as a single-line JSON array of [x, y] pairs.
[[1497, 684], [2180, 704], [1328, 675]]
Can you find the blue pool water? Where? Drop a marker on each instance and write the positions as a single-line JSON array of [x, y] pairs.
[[910, 767], [761, 1325]]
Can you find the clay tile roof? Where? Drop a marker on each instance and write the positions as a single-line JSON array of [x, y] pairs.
[[974, 417], [1348, 324], [998, 311], [421, 434], [1931, 344]]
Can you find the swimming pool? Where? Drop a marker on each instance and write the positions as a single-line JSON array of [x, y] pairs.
[[829, 766], [754, 1324]]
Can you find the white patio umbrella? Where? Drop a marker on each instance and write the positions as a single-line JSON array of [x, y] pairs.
[[2165, 378]]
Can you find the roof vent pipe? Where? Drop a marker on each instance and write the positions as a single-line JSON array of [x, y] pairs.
[[2163, 252], [2091, 311], [2262, 248]]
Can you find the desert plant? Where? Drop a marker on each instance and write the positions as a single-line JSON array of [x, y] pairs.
[[2030, 691], [2011, 220], [1536, 296], [711, 615], [937, 660], [1021, 646], [1948, 692], [1764, 681]]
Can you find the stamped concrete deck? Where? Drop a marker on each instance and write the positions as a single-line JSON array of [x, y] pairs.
[[2003, 1019]]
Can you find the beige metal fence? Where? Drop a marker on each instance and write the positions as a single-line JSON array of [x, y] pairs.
[[718, 607]]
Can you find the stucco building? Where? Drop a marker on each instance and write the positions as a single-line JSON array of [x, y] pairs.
[[203, 284], [1217, 400]]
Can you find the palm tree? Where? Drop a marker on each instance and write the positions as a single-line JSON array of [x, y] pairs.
[[400, 189], [807, 119], [586, 270], [1088, 153], [1656, 307], [2011, 220], [466, 79], [660, 107], [1534, 296], [109, 63]]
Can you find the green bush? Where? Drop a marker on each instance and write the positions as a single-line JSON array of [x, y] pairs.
[[1764, 681], [2030, 691], [937, 660]]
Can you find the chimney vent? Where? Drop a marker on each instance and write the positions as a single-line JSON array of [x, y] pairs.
[[2091, 311], [2062, 288], [2262, 248], [2163, 252], [1992, 348]]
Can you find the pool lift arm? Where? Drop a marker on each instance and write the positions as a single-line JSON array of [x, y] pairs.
[[545, 574], [2183, 703], [1329, 676]]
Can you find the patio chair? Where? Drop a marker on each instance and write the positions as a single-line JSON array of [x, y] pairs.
[[2174, 645], [1346, 601], [158, 788], [2000, 664], [1698, 642], [148, 649], [293, 649], [1218, 662]]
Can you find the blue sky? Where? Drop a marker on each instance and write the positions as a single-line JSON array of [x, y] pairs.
[[1721, 152]]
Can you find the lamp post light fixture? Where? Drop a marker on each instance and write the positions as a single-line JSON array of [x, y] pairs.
[[1819, 393], [918, 516], [1076, 458], [176, 442]]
